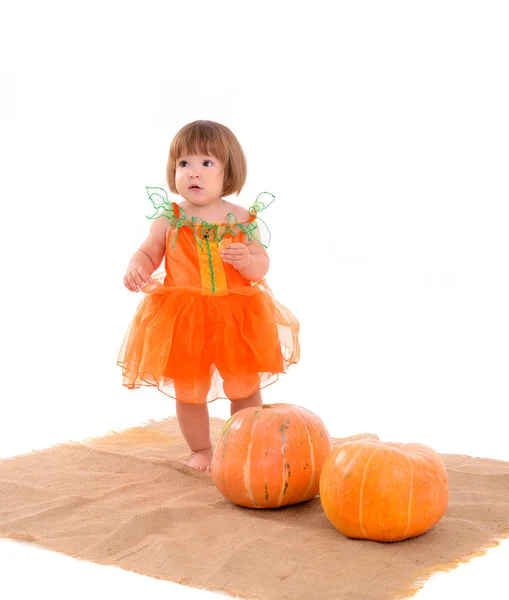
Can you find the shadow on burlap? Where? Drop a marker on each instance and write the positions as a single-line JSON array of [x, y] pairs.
[[128, 499]]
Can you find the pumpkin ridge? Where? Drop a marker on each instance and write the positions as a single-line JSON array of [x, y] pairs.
[[284, 484], [362, 491], [246, 471], [410, 496], [225, 434], [312, 453]]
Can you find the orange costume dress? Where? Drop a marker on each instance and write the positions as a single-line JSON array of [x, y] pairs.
[[203, 331]]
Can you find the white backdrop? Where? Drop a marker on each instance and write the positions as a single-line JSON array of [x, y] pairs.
[[382, 130]]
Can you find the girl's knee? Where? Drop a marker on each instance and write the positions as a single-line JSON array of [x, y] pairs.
[[192, 392], [242, 387]]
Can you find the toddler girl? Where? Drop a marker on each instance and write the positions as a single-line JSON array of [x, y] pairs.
[[209, 327]]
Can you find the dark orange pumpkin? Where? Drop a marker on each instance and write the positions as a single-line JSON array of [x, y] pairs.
[[383, 491], [270, 456]]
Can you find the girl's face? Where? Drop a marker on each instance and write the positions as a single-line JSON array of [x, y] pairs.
[[199, 178]]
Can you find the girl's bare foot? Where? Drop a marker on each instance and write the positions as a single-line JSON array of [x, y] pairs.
[[201, 460]]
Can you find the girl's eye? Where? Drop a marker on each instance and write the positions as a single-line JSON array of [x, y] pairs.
[[181, 163], [207, 161]]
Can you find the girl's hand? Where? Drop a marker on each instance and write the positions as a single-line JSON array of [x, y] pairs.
[[137, 278], [236, 255]]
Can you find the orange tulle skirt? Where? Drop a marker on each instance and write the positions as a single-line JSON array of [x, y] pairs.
[[198, 347]]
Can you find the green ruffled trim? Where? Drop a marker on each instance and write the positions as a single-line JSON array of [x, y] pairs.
[[256, 229]]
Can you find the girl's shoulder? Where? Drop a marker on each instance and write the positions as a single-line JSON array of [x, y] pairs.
[[240, 213], [248, 221], [244, 215]]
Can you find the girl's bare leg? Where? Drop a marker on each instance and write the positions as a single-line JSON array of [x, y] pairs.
[[193, 420], [194, 423]]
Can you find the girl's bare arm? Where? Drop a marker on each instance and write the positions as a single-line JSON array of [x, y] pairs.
[[148, 257]]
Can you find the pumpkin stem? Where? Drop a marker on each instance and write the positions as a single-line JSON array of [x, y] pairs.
[[266, 405]]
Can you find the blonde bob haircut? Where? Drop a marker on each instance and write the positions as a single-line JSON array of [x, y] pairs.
[[209, 137]]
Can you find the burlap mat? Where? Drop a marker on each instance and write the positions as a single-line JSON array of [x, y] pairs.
[[115, 501]]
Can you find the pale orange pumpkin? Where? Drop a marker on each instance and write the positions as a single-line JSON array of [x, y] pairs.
[[383, 491], [270, 456]]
